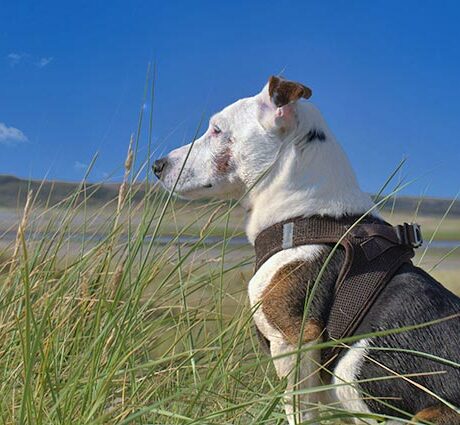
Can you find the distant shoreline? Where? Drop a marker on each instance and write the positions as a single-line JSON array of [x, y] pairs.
[[13, 192]]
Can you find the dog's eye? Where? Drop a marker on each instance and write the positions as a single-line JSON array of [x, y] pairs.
[[216, 130]]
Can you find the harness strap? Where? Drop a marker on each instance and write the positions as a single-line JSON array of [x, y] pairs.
[[374, 251]]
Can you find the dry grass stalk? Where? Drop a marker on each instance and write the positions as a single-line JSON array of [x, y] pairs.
[[22, 227], [210, 220], [122, 192], [107, 346], [84, 287], [118, 275]]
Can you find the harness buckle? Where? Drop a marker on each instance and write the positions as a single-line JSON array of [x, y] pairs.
[[410, 234]]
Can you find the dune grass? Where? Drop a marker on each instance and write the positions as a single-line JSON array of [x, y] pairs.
[[124, 329]]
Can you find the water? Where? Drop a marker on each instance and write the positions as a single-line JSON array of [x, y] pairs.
[[443, 244], [183, 239], [99, 237]]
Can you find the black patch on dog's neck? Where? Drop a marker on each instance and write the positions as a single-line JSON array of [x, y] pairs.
[[315, 134]]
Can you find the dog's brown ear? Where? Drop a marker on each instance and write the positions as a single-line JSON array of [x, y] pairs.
[[283, 91]]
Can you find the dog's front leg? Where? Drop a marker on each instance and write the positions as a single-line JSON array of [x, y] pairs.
[[301, 371], [277, 293]]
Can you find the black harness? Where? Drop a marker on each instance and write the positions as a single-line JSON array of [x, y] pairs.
[[374, 251]]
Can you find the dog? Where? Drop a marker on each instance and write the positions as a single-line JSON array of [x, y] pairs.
[[275, 153]]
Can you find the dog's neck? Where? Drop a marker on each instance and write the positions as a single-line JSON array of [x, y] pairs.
[[310, 177]]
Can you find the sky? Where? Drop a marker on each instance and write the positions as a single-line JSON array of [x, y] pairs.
[[385, 74]]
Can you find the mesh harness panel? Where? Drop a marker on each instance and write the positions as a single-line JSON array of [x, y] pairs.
[[374, 251]]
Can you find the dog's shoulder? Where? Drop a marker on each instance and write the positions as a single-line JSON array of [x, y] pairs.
[[286, 292]]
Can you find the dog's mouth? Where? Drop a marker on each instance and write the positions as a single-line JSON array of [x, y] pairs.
[[195, 192]]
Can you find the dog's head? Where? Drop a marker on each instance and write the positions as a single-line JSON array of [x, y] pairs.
[[241, 142]]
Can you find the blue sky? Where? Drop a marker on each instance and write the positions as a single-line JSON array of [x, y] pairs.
[[386, 75]]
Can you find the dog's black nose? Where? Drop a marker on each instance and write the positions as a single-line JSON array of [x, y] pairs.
[[159, 165]]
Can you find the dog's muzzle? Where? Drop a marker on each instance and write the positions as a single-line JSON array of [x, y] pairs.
[[159, 166]]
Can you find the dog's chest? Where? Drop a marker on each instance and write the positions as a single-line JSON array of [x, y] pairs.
[[263, 278]]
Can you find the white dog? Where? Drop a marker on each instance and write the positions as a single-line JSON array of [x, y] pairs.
[[277, 154]]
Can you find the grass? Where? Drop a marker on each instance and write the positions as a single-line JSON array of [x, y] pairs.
[[103, 322], [124, 332], [116, 330]]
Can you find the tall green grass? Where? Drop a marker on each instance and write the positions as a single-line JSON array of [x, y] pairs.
[[124, 329], [104, 322]]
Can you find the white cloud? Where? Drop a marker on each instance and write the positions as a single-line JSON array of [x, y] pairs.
[[11, 135], [15, 58], [44, 61], [80, 165]]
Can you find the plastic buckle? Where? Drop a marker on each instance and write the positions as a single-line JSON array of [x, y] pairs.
[[410, 234]]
